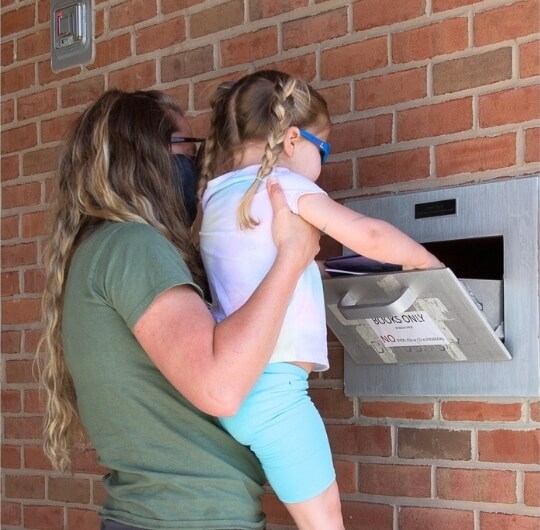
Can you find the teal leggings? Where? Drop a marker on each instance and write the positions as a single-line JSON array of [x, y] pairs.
[[280, 424]]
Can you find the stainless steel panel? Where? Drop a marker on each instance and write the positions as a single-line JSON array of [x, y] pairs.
[[507, 208]]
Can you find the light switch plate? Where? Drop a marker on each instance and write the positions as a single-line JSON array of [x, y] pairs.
[[71, 33]]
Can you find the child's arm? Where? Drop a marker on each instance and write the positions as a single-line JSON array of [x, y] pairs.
[[370, 237]]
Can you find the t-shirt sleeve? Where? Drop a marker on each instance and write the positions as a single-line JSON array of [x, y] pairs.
[[295, 186], [137, 264]]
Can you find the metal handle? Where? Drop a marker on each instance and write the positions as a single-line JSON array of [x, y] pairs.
[[352, 310]]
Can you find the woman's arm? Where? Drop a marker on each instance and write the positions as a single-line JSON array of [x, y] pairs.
[[215, 366], [370, 237]]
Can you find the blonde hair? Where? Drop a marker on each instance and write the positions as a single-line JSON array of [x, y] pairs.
[[259, 107], [116, 166]]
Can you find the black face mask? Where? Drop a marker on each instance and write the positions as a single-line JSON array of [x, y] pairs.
[[187, 178]]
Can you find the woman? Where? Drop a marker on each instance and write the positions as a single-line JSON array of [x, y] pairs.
[[131, 350]]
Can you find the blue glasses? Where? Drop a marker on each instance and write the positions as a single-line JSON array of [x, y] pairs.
[[324, 147]]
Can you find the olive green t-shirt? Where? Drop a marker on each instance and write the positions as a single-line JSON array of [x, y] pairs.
[[172, 466]]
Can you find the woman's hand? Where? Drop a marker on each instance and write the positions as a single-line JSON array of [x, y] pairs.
[[293, 236]]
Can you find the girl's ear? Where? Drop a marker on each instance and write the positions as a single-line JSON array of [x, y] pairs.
[[292, 136]]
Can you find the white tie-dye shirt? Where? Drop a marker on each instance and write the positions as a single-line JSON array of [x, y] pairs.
[[236, 261]]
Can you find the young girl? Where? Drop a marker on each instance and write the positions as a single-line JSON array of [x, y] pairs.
[[270, 124]]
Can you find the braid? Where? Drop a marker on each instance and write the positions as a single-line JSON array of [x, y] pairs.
[[279, 123]]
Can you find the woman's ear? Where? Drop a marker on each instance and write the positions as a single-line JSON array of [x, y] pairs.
[[292, 136]]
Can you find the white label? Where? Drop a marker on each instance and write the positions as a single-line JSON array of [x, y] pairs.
[[415, 328]]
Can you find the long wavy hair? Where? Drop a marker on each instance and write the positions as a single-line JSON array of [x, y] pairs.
[[116, 166], [258, 107]]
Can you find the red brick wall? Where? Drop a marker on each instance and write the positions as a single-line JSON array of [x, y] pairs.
[[423, 93]]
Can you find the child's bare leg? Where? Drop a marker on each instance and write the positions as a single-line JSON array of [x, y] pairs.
[[322, 512]]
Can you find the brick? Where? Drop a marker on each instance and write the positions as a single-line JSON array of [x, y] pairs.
[[24, 486], [477, 485], [338, 99], [187, 64], [99, 23], [314, 29], [112, 51], [10, 169], [17, 20], [34, 281], [346, 476], [10, 228], [43, 517], [82, 92], [37, 104], [7, 54], [434, 443], [369, 14], [354, 59], [57, 128], [11, 456], [43, 11], [11, 340], [21, 311], [36, 224], [275, 511], [131, 12], [170, 32], [10, 401], [18, 78], [23, 428], [535, 409], [169, 6], [7, 111], [389, 168], [517, 447], [389, 89], [532, 489], [529, 59], [395, 480], [430, 41], [85, 461], [41, 160], [19, 138], [473, 71], [47, 76], [20, 254], [37, 43], [20, 371], [10, 283], [360, 134], [479, 154], [303, 67], [413, 518], [367, 516], [335, 354], [31, 339], [11, 513], [332, 403], [33, 403], [249, 47], [83, 519], [501, 521], [21, 195], [479, 411], [34, 458], [336, 176], [99, 494], [510, 106], [365, 440], [506, 22], [205, 90], [69, 490], [444, 5], [395, 409], [137, 77], [259, 9], [216, 18]]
